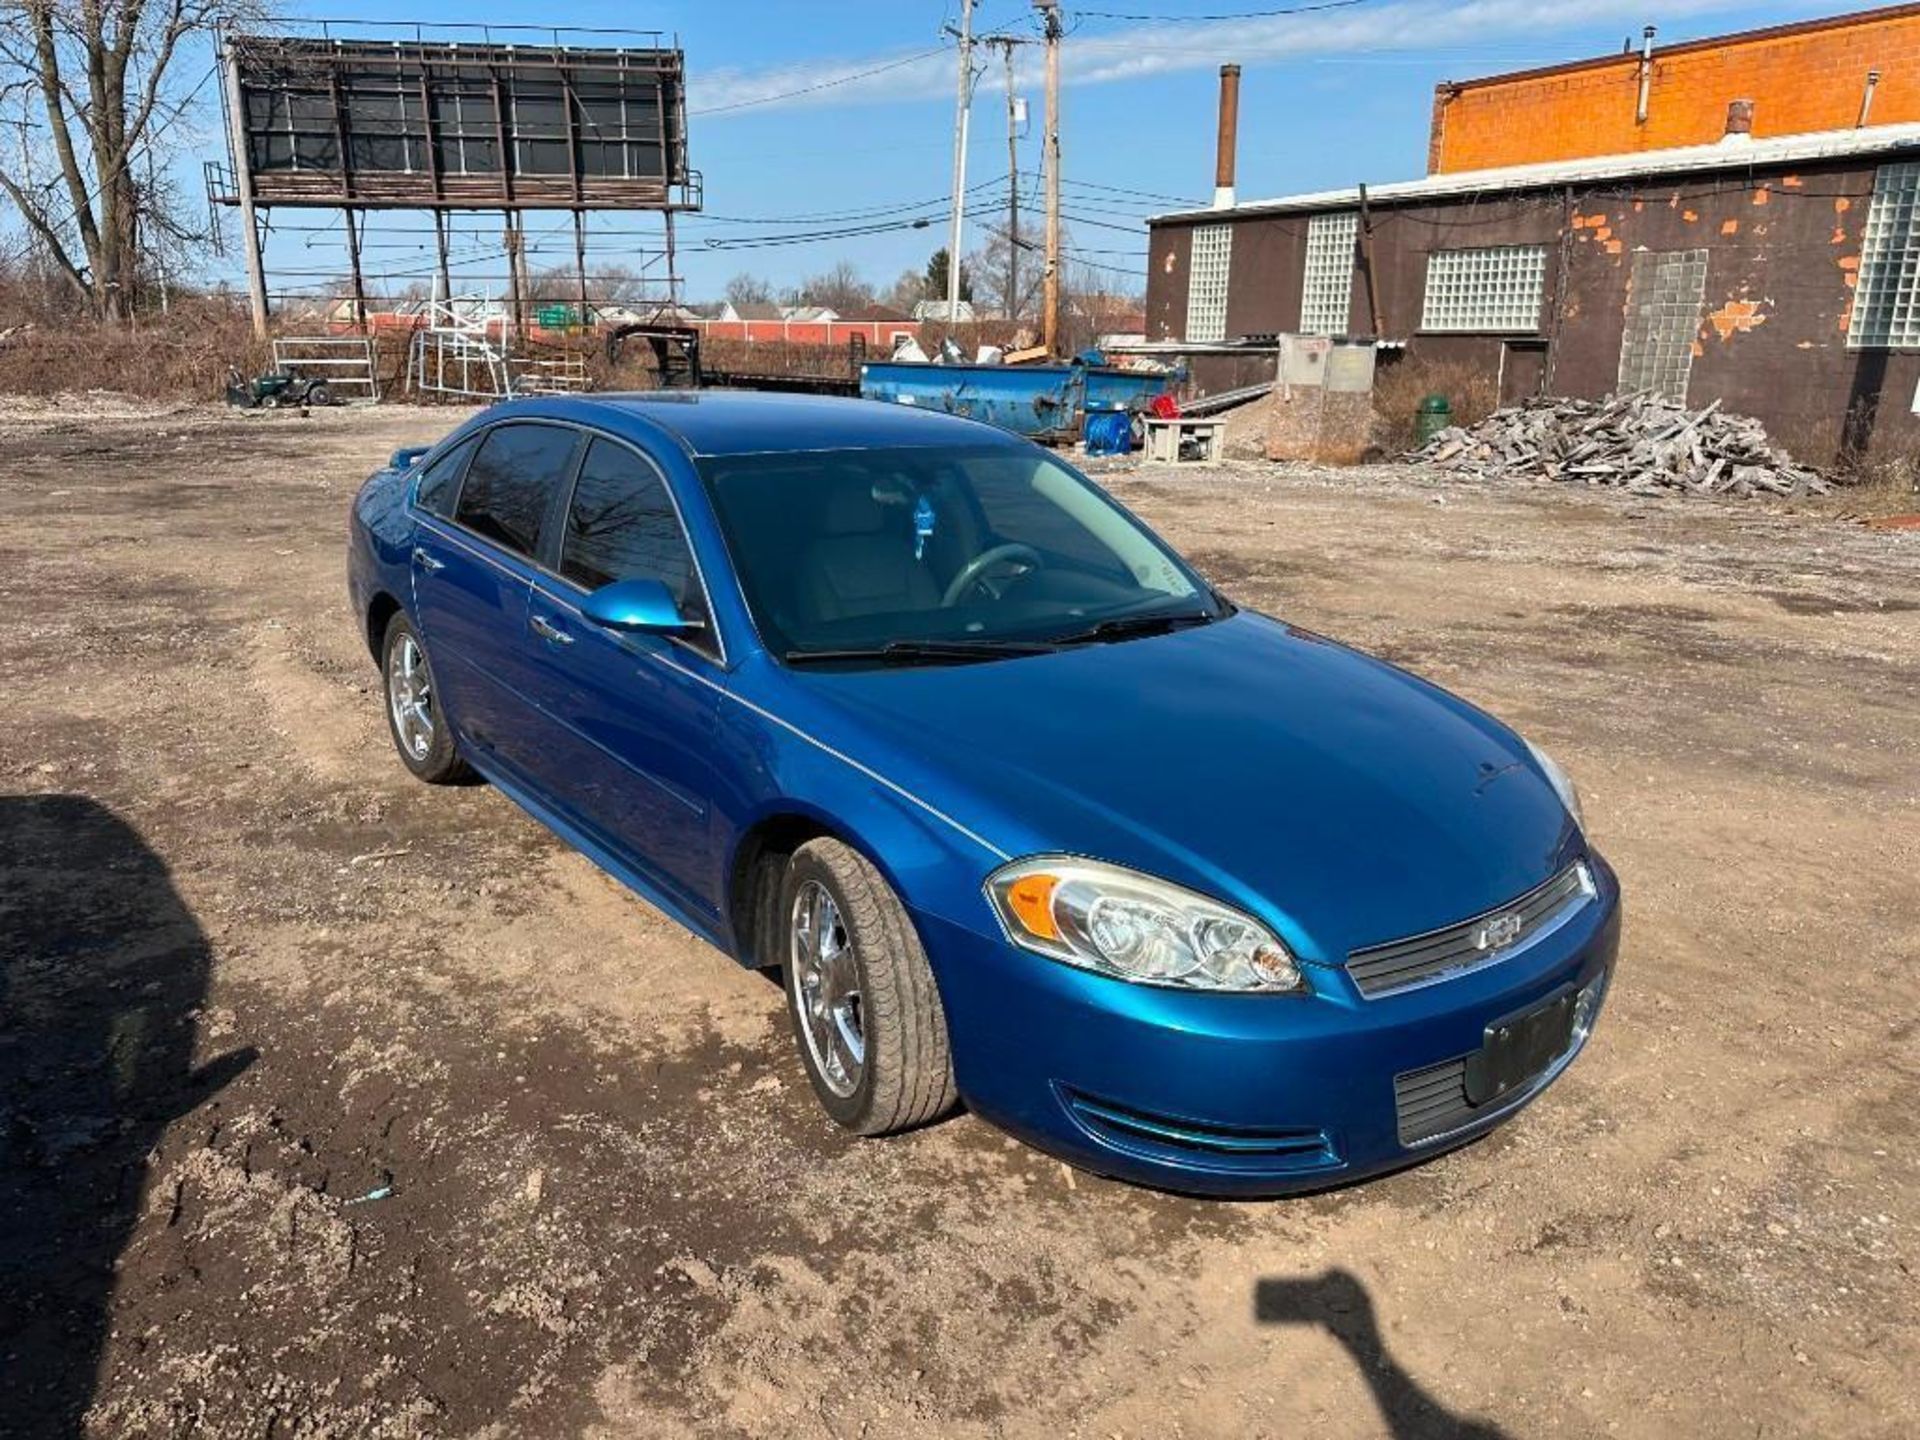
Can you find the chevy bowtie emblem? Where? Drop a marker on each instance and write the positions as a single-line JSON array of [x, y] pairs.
[[1500, 930]]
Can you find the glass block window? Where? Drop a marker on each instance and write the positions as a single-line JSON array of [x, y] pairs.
[[1498, 288], [1207, 282], [1326, 292], [1885, 312], [1664, 299]]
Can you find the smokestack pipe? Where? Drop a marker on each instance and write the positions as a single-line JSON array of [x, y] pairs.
[[1866, 98], [1646, 73], [1739, 120], [1229, 137]]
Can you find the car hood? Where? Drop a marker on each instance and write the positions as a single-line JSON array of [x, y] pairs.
[[1342, 799]]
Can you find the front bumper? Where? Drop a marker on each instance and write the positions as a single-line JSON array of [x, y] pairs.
[[1246, 1095]]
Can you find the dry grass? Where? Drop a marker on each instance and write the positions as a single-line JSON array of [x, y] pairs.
[[776, 357], [1400, 386], [181, 356], [1881, 480]]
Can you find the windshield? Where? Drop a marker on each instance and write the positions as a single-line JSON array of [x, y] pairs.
[[845, 553]]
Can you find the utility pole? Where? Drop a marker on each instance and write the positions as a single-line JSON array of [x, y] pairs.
[[1050, 13], [514, 238], [963, 109], [243, 181], [1013, 188]]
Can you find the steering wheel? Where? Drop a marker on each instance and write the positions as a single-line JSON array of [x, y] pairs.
[[972, 572]]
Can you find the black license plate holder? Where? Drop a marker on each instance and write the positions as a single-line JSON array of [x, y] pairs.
[[1515, 1050]]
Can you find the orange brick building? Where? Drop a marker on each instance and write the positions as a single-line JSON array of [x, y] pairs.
[[1829, 74], [1754, 241]]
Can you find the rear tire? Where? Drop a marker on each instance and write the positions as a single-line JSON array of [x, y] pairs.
[[420, 731], [321, 394], [866, 1014]]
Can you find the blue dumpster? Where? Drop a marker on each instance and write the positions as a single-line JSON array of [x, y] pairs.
[[1042, 402]]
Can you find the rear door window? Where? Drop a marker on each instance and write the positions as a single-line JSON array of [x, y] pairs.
[[622, 526], [512, 481], [440, 481]]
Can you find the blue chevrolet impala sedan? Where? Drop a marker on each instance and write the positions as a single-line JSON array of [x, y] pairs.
[[1027, 814]]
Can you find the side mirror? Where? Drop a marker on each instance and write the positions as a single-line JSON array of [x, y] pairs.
[[636, 605], [403, 459]]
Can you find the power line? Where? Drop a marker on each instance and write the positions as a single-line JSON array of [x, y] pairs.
[[1103, 224], [1228, 15], [822, 85], [849, 232], [868, 212], [1123, 190], [767, 242]]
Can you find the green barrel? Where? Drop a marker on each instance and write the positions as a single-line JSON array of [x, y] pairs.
[[1433, 416]]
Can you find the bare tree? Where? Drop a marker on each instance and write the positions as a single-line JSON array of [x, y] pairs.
[[907, 291], [988, 265], [842, 289], [746, 289], [89, 89], [616, 284], [1100, 300]]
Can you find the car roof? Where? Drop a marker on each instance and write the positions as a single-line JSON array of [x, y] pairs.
[[747, 422]]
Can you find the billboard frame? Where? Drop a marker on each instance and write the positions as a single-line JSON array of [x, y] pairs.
[[429, 75]]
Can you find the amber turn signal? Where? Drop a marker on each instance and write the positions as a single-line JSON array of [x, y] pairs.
[[1030, 898]]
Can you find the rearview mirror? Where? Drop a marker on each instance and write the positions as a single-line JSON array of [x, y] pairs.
[[636, 605], [403, 459]]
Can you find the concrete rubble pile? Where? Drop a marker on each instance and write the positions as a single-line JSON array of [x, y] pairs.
[[1640, 443]]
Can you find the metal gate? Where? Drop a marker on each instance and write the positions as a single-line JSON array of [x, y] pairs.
[[345, 362]]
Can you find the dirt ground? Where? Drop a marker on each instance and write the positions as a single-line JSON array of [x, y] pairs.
[[334, 1105]]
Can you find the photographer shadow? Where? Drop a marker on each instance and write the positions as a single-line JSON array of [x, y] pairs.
[[1339, 1303], [103, 971]]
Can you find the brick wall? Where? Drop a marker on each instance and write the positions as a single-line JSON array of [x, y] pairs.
[[1764, 324], [1802, 77]]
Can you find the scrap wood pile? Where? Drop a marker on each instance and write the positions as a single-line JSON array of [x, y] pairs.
[[1641, 443]]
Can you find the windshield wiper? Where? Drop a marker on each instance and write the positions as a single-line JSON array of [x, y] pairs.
[[922, 652], [1127, 627]]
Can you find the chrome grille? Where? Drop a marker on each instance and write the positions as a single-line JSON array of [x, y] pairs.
[[1403, 964]]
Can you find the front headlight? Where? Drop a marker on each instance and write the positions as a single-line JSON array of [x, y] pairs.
[[1133, 927], [1562, 784]]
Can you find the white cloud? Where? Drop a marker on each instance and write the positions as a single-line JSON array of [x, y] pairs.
[[1099, 54]]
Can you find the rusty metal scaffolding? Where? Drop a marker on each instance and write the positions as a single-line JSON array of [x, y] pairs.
[[482, 122]]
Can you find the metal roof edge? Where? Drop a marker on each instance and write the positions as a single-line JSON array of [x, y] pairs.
[[1688, 159]]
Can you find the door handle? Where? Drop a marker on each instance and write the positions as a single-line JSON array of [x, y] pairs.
[[547, 630], [427, 562]]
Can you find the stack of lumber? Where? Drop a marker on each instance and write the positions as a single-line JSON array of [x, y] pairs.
[[1641, 443]]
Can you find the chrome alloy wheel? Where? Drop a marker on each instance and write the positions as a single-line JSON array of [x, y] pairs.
[[827, 989], [410, 697]]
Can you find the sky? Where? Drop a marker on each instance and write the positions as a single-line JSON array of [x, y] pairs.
[[788, 144]]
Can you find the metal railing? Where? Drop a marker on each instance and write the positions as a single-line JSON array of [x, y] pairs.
[[564, 375]]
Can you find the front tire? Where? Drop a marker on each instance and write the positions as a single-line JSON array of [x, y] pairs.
[[860, 993], [420, 731]]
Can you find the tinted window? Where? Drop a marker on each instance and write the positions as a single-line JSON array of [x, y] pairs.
[[1026, 514], [622, 526], [440, 480], [512, 481], [856, 549]]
